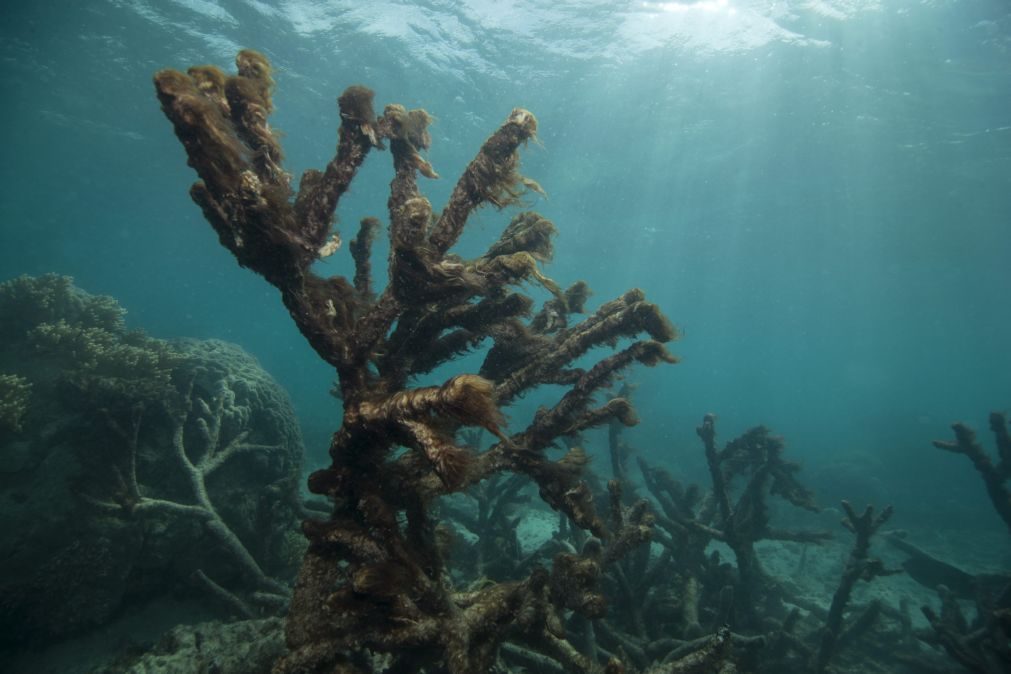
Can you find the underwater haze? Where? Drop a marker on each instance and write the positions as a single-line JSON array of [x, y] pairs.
[[817, 193]]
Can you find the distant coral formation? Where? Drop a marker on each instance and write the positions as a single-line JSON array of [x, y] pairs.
[[136, 467]]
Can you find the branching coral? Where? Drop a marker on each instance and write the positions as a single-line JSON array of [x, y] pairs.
[[994, 475], [492, 521], [859, 567], [757, 457], [704, 593], [981, 643], [374, 578], [86, 336], [198, 465], [984, 644], [28, 301], [104, 363]]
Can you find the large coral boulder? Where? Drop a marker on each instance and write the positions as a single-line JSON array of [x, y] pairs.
[[133, 467]]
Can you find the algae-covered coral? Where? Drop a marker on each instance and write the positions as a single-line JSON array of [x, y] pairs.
[[137, 469], [375, 579]]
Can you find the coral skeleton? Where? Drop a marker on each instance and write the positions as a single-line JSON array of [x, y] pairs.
[[198, 466], [859, 567], [374, 581], [982, 644], [994, 475]]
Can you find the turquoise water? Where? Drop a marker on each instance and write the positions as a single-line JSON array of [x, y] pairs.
[[818, 193]]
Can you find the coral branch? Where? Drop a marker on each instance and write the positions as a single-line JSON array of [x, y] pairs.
[[994, 476], [213, 454], [491, 177], [858, 567], [361, 251], [624, 317], [319, 193], [708, 654]]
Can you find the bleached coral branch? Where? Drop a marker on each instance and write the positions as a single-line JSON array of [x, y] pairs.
[[197, 464]]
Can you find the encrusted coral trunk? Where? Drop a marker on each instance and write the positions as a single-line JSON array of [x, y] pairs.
[[374, 578]]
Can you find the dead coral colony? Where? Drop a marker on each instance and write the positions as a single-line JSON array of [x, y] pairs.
[[374, 578]]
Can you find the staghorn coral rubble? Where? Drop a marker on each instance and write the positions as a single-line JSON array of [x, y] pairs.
[[374, 578]]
